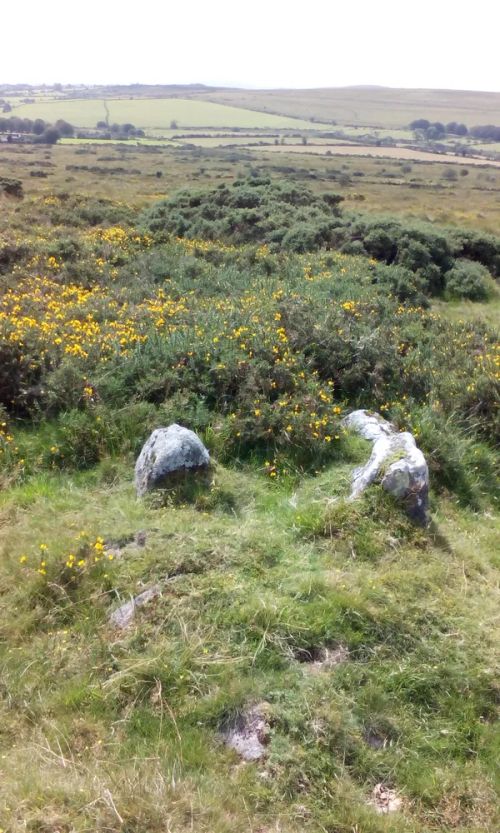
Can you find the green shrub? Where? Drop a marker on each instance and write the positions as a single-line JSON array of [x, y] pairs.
[[405, 285], [467, 280], [288, 216], [81, 438], [12, 252], [478, 246], [252, 210], [11, 187], [379, 243]]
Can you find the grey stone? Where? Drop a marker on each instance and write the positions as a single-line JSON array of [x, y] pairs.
[[248, 734], [123, 615], [396, 462], [167, 452]]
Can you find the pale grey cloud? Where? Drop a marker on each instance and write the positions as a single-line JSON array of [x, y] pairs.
[[262, 43]]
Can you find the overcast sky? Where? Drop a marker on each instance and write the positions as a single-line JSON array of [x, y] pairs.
[[256, 43]]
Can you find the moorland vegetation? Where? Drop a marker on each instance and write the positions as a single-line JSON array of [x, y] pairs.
[[256, 312]]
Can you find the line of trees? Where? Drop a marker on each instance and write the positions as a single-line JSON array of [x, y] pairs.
[[37, 130], [103, 130], [124, 131], [437, 130], [486, 131]]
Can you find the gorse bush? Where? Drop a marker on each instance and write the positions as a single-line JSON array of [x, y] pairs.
[[253, 210], [11, 187], [258, 348], [467, 280], [287, 216]]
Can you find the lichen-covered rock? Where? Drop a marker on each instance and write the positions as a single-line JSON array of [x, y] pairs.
[[167, 452], [395, 462]]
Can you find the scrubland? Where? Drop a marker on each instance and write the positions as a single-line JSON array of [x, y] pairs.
[[255, 306]]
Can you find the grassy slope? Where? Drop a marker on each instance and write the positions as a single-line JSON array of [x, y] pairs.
[[119, 731], [468, 311], [156, 113], [378, 107]]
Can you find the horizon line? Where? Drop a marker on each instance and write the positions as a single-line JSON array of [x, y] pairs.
[[242, 87]]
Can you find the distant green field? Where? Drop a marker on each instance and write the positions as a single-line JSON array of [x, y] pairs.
[[216, 139], [489, 147], [380, 133], [375, 106], [129, 142], [227, 141], [157, 113]]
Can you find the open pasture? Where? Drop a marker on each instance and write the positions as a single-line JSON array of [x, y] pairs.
[[157, 113], [375, 106]]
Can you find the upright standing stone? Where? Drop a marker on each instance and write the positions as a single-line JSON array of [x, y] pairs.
[[167, 452]]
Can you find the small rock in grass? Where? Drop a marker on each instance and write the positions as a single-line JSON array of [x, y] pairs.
[[112, 551], [395, 461], [167, 453], [384, 800], [248, 733], [140, 538], [116, 547], [123, 615]]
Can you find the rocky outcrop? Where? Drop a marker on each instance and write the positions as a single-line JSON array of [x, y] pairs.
[[395, 462], [167, 453]]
